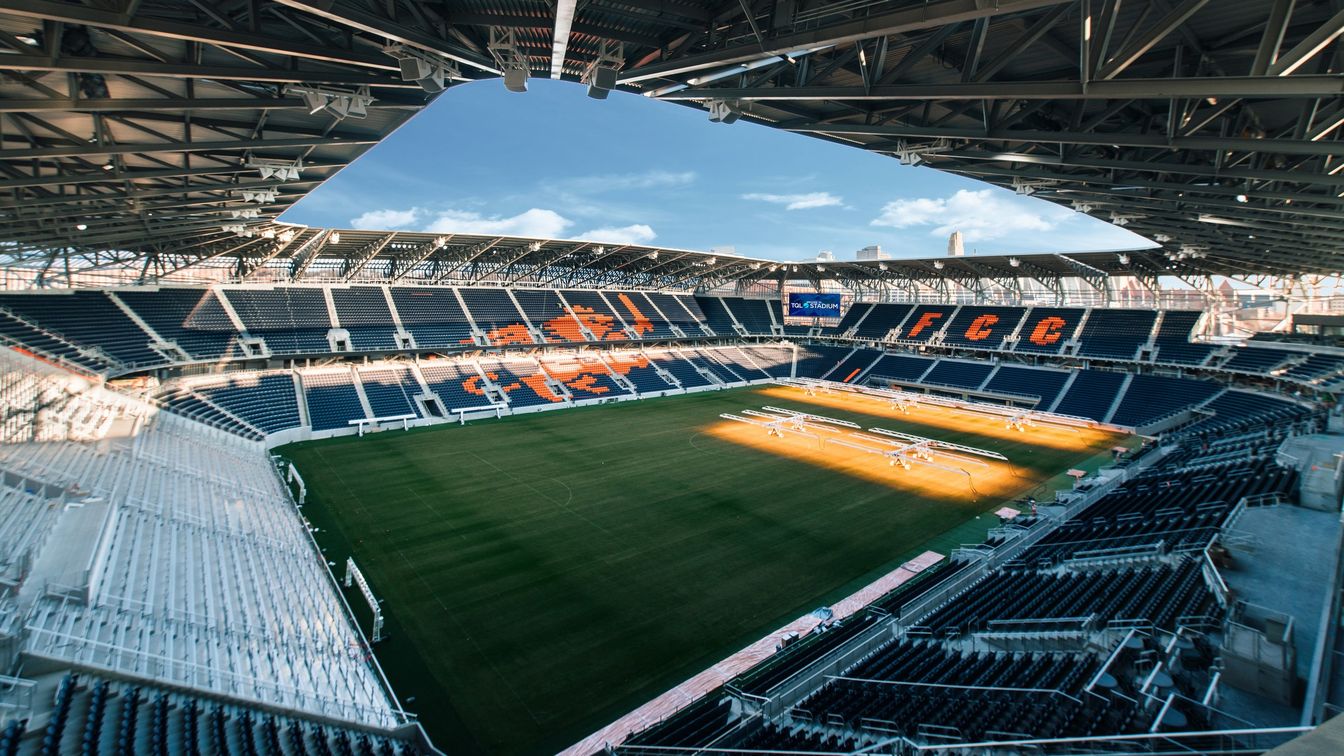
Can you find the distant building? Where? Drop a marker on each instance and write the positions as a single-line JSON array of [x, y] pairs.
[[871, 252], [955, 247], [825, 256]]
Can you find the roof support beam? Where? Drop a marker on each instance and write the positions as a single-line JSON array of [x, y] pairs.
[[132, 23], [1322, 85], [928, 15], [1136, 48]]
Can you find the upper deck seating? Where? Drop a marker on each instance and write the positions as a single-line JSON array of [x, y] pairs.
[[363, 311], [851, 318], [1173, 339], [983, 327], [1116, 334], [496, 315], [89, 319], [591, 309], [752, 313], [290, 319], [673, 311], [640, 315], [193, 319], [1259, 360], [924, 322], [882, 319], [433, 316], [1045, 329], [547, 313], [716, 314]]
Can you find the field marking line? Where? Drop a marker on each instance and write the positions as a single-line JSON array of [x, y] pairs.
[[565, 506]]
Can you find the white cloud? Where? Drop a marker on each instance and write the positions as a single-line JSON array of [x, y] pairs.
[[536, 222], [635, 233], [627, 181], [381, 220], [806, 201], [979, 215]]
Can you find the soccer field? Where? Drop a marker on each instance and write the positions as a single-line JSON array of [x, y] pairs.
[[545, 573]]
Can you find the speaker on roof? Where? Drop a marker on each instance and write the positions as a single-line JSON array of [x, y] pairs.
[[515, 79], [601, 81]]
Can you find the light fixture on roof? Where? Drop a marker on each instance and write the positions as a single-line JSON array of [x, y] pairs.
[[81, 226], [915, 153], [503, 46], [335, 237], [600, 75], [420, 67], [1124, 258], [287, 236], [260, 196], [108, 166], [724, 111], [285, 170], [1243, 198], [250, 212], [340, 103], [881, 266], [938, 264], [1013, 261], [1161, 238], [236, 229]]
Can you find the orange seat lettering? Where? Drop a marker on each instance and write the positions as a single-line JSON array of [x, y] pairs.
[[924, 322], [980, 327], [1047, 331]]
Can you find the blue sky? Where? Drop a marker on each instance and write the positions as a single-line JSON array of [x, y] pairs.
[[555, 164]]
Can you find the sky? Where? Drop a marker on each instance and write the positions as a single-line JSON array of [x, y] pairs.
[[553, 163]]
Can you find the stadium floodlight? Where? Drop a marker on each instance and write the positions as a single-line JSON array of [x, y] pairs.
[[938, 264], [600, 75], [335, 237], [1243, 198], [262, 196], [429, 71], [503, 46], [723, 111], [250, 212], [1124, 259], [81, 226], [339, 103], [1014, 262], [285, 170], [237, 229]]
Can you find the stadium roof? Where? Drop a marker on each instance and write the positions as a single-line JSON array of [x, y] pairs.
[[304, 254], [136, 131]]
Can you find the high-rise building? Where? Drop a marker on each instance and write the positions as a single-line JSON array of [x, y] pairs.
[[955, 247], [871, 252], [825, 256]]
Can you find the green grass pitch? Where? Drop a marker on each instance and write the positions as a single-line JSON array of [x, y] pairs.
[[544, 574]]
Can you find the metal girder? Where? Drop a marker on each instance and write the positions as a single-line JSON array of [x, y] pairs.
[[119, 104], [1309, 85], [1040, 136], [142, 23], [925, 16], [348, 14], [121, 66], [147, 148], [356, 263]]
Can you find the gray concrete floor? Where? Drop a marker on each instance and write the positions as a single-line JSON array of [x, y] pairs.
[[1286, 569]]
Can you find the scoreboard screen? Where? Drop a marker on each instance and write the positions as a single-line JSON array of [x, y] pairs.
[[814, 305]]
